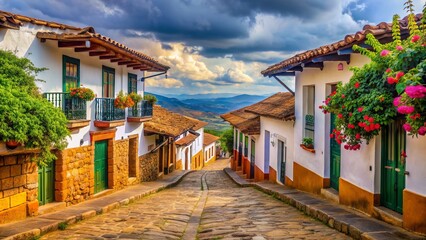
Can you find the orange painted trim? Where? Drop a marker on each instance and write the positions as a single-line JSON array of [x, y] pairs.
[[259, 175], [356, 197], [306, 180], [326, 182], [109, 124], [102, 135], [272, 175], [288, 182], [414, 209]]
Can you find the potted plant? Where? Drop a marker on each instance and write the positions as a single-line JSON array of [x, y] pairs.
[[86, 94], [308, 143], [150, 98], [12, 144], [123, 100], [136, 98]]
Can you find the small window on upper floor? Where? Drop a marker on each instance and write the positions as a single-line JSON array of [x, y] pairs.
[[132, 83], [309, 111]]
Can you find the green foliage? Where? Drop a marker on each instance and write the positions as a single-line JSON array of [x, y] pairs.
[[25, 116], [135, 97], [213, 132], [150, 98], [307, 141], [227, 140], [368, 101], [62, 226]]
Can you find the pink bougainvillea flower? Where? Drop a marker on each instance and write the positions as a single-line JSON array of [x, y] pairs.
[[415, 38], [399, 48], [392, 80], [397, 101], [405, 109], [384, 52], [360, 109], [416, 91], [356, 85], [422, 130], [388, 70], [407, 127]]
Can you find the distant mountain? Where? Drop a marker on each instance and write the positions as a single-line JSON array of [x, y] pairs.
[[200, 96], [208, 109]]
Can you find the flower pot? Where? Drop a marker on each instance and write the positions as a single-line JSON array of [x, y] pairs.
[[12, 144]]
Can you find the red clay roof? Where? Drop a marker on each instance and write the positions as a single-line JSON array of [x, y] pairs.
[[380, 31], [279, 106], [188, 139], [168, 123], [14, 21], [209, 139], [248, 123], [198, 123]]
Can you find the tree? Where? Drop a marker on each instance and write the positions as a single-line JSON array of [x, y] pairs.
[[227, 140], [25, 116]]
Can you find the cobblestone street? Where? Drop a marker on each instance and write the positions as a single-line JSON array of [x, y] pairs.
[[228, 212]]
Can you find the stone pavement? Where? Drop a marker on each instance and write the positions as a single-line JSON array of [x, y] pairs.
[[36, 226], [341, 218], [206, 204]]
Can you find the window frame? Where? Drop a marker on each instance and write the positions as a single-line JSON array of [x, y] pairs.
[[108, 70], [130, 77], [67, 59]]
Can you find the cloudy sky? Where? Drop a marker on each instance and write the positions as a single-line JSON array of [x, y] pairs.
[[216, 46]]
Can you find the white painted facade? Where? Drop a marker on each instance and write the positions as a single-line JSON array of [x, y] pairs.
[[48, 55], [209, 152], [361, 168], [280, 131], [193, 148]]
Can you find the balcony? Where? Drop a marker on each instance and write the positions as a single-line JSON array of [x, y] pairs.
[[74, 109], [106, 115], [142, 112]]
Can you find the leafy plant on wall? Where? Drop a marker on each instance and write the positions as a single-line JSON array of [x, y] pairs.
[[26, 117], [391, 86]]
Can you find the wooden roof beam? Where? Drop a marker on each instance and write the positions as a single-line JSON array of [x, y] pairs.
[[319, 65], [103, 53], [133, 65], [333, 58], [73, 44], [91, 48], [125, 62], [103, 57]]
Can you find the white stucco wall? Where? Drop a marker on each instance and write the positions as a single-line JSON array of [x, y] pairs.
[[284, 131], [207, 148], [416, 165], [25, 44], [354, 163]]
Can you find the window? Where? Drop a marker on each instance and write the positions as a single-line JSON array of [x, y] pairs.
[[309, 111], [70, 73], [133, 83], [246, 146], [108, 81]]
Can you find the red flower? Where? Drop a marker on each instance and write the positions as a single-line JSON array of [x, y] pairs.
[[331, 135], [371, 119], [392, 80], [415, 38], [377, 126], [356, 85], [350, 114], [388, 70], [399, 75], [351, 126], [360, 109], [343, 95], [403, 154], [357, 136], [366, 117], [399, 48], [384, 52], [340, 115]]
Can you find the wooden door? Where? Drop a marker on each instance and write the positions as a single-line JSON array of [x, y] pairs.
[[335, 156], [393, 166], [282, 155], [101, 166], [46, 184]]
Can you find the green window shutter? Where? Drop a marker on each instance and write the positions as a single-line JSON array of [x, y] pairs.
[[108, 82], [70, 73], [132, 83]]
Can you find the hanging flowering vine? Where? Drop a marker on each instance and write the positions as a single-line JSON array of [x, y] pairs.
[[391, 86]]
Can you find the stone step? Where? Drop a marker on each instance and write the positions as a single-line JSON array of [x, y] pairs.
[[387, 215], [330, 194], [51, 207]]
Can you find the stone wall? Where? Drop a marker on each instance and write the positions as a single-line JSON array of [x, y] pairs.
[[74, 175], [18, 187], [148, 167], [121, 164]]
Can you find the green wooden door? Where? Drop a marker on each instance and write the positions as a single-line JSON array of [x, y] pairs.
[[46, 184], [282, 155], [393, 166], [101, 166], [334, 158]]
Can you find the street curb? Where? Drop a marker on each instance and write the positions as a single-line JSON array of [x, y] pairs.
[[338, 218], [37, 232]]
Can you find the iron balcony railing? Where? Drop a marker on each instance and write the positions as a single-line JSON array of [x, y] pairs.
[[105, 110], [73, 108], [141, 110]]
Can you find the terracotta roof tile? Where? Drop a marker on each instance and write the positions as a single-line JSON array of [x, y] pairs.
[[198, 123], [279, 106], [209, 139], [14, 21], [168, 123], [248, 123], [185, 141], [380, 31]]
